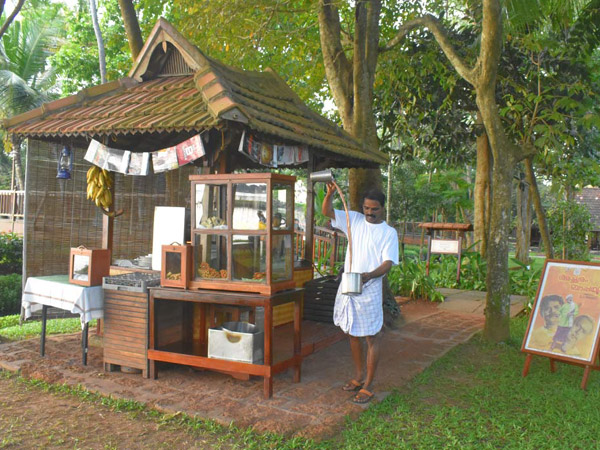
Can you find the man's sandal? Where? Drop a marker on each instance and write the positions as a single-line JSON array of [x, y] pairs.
[[363, 396], [352, 385]]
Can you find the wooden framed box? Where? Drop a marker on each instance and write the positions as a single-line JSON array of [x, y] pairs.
[[176, 267], [242, 232], [87, 266]]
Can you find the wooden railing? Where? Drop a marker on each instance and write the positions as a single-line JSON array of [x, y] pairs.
[[12, 204], [329, 247]]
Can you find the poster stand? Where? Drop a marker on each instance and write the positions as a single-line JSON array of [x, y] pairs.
[[565, 320]]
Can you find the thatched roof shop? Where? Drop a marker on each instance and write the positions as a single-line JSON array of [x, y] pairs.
[[173, 92]]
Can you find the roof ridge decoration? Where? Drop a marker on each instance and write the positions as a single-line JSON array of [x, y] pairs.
[[161, 35]]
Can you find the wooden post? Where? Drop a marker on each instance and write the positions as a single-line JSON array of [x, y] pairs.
[[108, 222], [310, 209]]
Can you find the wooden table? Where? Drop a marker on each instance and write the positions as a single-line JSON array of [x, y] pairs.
[[171, 331]]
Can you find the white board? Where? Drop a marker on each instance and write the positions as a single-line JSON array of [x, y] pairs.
[[445, 246], [169, 227]]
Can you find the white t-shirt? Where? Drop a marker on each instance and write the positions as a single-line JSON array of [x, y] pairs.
[[372, 244]]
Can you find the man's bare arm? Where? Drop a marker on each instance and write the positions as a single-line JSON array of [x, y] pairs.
[[327, 206], [379, 272]]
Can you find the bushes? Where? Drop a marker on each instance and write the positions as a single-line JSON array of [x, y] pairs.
[[569, 224], [11, 253], [10, 294]]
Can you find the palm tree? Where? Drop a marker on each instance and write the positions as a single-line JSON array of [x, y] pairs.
[[26, 81]]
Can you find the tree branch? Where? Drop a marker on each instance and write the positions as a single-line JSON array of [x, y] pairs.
[[11, 17], [435, 27], [337, 67]]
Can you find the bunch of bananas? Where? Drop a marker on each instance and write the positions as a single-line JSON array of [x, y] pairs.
[[99, 184]]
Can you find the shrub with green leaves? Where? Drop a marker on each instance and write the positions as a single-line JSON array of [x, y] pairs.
[[409, 279], [11, 253], [569, 224], [10, 294]]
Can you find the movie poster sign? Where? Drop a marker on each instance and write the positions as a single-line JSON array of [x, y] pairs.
[[565, 320]]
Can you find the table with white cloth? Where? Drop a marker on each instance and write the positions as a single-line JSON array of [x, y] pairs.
[[56, 291]]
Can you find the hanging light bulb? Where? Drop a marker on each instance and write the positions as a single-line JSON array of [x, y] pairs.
[[65, 163]]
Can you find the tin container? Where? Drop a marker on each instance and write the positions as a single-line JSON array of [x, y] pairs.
[[351, 283], [237, 341]]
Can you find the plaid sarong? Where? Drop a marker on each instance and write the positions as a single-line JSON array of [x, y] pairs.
[[360, 315]]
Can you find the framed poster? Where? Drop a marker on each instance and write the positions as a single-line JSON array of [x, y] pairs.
[[565, 319]]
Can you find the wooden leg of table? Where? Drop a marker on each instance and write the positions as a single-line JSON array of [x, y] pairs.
[[152, 370], [527, 364], [586, 374], [297, 341], [552, 365], [268, 356], [43, 338], [84, 344]]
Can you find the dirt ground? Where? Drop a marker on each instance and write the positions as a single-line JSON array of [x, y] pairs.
[[33, 418]]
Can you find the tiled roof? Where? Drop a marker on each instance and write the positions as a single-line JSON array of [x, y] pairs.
[[127, 107], [590, 197], [208, 95]]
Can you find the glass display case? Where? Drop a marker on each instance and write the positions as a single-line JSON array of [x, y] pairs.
[[87, 266], [176, 265], [242, 232]]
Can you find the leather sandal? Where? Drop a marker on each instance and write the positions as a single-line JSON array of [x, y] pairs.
[[363, 396], [352, 385]]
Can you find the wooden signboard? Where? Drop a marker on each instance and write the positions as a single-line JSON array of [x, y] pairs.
[[445, 247], [565, 319]]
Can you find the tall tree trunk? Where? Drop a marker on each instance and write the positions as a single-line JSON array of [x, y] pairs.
[[505, 154], [99, 40], [497, 313], [351, 83], [132, 27], [482, 193], [16, 154], [523, 228], [539, 209]]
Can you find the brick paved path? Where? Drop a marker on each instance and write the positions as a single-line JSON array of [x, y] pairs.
[[316, 407]]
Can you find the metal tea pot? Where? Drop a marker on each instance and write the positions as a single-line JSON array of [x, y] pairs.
[[351, 281]]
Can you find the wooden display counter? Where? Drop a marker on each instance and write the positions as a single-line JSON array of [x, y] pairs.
[[125, 330], [172, 326]]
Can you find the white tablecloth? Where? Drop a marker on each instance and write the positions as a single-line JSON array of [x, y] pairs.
[[56, 291]]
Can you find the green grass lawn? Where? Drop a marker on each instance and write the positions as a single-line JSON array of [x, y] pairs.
[[11, 330], [473, 397]]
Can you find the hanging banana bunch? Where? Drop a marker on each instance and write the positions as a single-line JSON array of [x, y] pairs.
[[99, 184]]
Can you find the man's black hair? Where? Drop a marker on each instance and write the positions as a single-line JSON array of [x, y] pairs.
[[550, 298], [375, 194]]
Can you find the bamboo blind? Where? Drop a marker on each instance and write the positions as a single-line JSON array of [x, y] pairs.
[[59, 216]]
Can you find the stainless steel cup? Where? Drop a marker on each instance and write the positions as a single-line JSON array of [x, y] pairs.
[[351, 283], [325, 176]]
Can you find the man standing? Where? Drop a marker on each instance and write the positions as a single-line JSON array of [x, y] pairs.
[[374, 251]]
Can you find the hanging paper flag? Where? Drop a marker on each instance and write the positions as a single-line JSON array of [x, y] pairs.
[[165, 159], [284, 154], [111, 159], [301, 154], [138, 164], [266, 155], [189, 150], [250, 147]]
